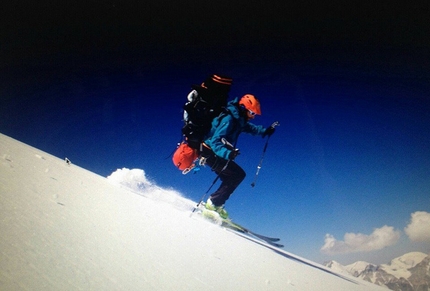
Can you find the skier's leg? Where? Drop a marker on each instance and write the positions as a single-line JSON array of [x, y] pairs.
[[230, 178]]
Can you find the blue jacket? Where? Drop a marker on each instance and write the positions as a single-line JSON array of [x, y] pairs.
[[229, 126]]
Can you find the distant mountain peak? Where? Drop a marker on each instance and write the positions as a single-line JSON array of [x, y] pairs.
[[408, 260], [410, 271], [358, 267], [338, 267]]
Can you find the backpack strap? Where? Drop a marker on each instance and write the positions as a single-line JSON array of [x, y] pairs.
[[224, 114]]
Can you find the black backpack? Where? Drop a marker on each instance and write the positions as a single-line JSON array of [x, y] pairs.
[[205, 103]]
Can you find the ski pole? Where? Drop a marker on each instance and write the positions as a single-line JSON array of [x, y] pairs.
[[276, 123]]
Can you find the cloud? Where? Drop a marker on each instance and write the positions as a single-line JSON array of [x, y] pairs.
[[379, 239], [418, 229]]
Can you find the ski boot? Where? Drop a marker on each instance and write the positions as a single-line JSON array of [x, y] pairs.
[[219, 209]]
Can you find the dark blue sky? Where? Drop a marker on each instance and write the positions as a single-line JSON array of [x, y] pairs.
[[104, 85]]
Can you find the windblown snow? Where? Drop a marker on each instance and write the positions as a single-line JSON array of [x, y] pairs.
[[65, 228], [135, 180]]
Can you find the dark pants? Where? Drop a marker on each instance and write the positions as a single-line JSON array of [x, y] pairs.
[[230, 178]]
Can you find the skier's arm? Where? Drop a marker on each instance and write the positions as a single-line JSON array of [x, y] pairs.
[[253, 129]]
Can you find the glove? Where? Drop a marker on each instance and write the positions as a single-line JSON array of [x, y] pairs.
[[269, 131], [233, 154]]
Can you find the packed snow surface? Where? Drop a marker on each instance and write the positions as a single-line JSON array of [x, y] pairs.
[[65, 228]]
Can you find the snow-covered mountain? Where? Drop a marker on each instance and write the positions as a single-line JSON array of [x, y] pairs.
[[65, 228], [408, 272]]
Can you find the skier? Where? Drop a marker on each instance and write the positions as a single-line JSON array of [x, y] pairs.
[[219, 150]]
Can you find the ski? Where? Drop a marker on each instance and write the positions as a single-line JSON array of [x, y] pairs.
[[269, 240], [229, 224], [236, 227]]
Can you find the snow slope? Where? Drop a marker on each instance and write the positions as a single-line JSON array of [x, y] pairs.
[[65, 228]]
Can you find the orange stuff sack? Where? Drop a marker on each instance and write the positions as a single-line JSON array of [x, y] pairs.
[[184, 157]]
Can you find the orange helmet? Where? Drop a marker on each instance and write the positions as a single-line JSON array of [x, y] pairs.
[[251, 103]]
